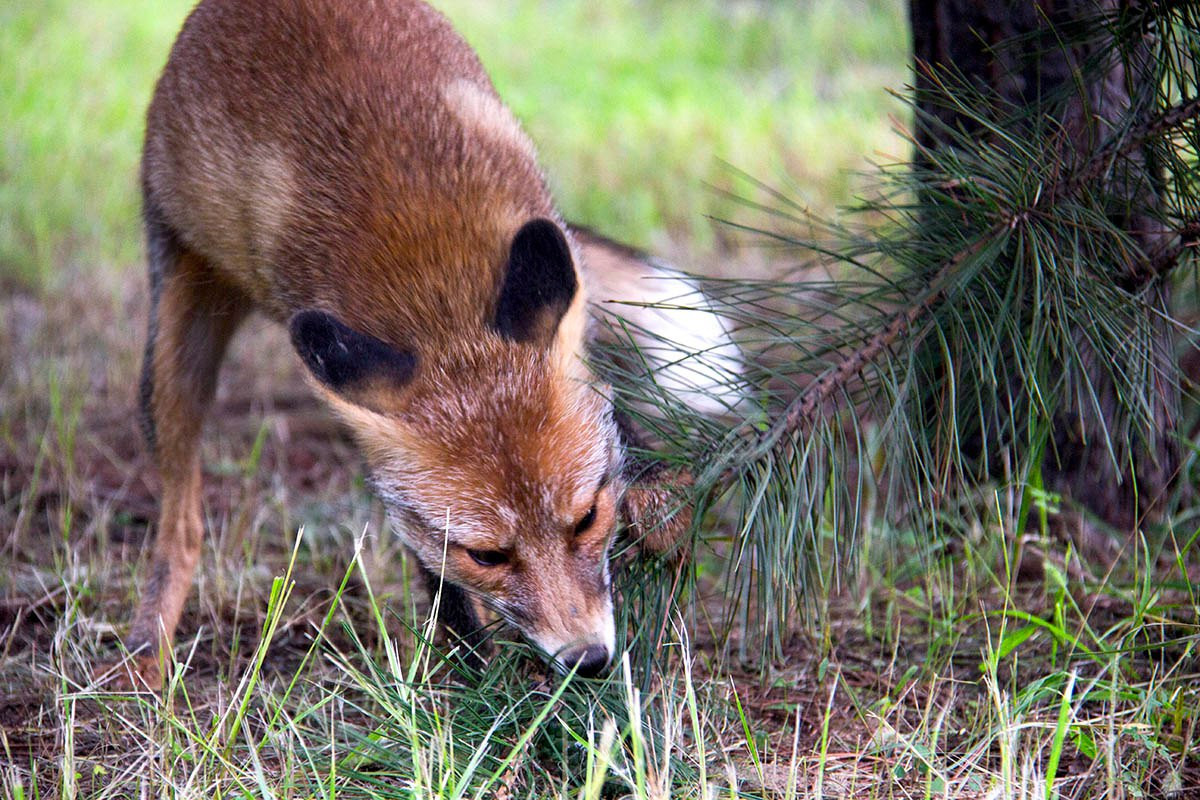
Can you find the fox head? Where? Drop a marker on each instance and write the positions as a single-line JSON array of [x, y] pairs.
[[496, 457]]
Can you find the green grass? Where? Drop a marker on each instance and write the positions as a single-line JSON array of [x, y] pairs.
[[634, 106], [74, 82], [1034, 697]]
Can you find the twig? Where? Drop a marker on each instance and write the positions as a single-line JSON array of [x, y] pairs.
[[1101, 159], [1173, 117], [1168, 257]]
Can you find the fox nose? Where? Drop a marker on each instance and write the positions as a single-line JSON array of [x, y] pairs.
[[589, 661]]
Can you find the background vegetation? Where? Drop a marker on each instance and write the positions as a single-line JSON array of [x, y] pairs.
[[634, 106], [998, 662]]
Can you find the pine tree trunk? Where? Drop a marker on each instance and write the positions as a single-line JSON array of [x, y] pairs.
[[1011, 52]]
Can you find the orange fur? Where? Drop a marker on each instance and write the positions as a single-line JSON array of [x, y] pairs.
[[353, 158]]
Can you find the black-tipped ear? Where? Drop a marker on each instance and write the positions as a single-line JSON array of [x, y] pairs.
[[349, 362], [539, 284]]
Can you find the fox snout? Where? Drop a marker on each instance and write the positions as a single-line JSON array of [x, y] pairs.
[[587, 647], [554, 584], [571, 633]]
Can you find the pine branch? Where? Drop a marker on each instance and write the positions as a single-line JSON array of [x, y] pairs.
[[1094, 167], [802, 410], [990, 294]]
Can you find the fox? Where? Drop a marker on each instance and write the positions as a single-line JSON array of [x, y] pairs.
[[349, 171]]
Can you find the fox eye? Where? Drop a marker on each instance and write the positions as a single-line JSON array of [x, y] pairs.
[[587, 520], [488, 558]]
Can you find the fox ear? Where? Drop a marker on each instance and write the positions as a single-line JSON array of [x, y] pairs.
[[539, 284], [355, 365]]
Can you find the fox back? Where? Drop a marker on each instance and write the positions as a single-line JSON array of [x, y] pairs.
[[342, 155], [348, 170]]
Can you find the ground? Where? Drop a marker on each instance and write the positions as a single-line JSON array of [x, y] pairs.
[[896, 688], [994, 663]]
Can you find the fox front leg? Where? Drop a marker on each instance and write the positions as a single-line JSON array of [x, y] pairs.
[[656, 507]]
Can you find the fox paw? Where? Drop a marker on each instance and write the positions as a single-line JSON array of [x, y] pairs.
[[139, 673], [658, 516]]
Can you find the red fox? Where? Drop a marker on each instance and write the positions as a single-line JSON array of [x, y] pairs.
[[348, 170]]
